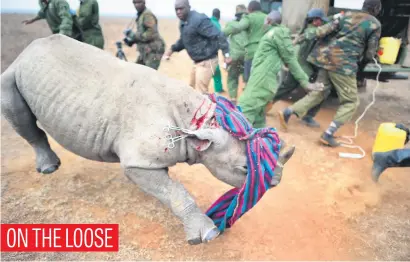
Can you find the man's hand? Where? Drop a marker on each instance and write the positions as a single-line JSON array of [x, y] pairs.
[[228, 60], [128, 42], [315, 87], [27, 22], [167, 54]]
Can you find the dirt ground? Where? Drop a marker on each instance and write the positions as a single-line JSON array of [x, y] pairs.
[[326, 207]]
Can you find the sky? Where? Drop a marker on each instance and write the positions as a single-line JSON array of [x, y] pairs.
[[162, 8]]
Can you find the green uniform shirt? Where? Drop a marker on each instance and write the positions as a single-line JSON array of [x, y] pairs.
[[275, 48], [342, 46], [88, 20], [237, 42], [253, 25], [147, 37], [57, 15]]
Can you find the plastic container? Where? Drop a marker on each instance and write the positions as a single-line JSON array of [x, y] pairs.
[[390, 47], [389, 138]]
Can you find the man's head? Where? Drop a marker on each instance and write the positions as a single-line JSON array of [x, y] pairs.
[[254, 6], [239, 11], [373, 7], [273, 18], [182, 9], [139, 5], [316, 17], [216, 13]]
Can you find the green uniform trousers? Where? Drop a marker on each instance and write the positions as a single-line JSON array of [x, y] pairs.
[[218, 80], [346, 88], [255, 98], [235, 70]]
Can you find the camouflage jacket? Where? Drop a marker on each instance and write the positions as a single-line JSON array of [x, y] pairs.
[[147, 36], [88, 20], [304, 48], [253, 25], [342, 46], [57, 15], [237, 42]]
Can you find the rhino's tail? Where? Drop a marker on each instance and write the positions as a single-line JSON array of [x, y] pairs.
[[17, 112]]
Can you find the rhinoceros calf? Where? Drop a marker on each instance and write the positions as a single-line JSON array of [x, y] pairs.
[[104, 109]]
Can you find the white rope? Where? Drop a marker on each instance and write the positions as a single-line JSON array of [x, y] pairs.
[[349, 142]]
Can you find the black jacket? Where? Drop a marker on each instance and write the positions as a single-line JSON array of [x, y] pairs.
[[200, 37]]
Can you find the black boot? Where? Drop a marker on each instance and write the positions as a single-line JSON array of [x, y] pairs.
[[327, 137], [284, 117], [310, 121], [384, 160]]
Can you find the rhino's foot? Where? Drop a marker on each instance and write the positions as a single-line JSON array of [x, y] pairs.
[[202, 231], [47, 163]]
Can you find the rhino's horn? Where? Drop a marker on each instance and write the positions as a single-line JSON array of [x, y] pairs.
[[283, 158]]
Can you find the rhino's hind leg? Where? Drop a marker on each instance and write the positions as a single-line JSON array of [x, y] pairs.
[[18, 114], [199, 228]]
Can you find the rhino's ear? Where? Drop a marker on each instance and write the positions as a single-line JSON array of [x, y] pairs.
[[202, 139]]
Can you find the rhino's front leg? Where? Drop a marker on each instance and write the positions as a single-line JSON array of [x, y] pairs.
[[199, 228]]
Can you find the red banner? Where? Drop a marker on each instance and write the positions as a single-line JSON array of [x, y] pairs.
[[59, 237]]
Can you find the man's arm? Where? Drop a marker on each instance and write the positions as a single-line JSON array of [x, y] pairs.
[[178, 46], [319, 32], [237, 27], [40, 15], [150, 25], [66, 26], [283, 42], [372, 44], [207, 29]]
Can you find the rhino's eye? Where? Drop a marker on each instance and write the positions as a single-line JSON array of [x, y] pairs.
[[242, 169]]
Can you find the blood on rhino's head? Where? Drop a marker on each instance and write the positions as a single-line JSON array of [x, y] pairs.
[[225, 156]]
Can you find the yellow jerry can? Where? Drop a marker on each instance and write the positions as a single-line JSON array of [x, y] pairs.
[[389, 137], [388, 50]]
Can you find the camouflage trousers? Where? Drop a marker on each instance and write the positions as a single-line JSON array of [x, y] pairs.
[[152, 60], [235, 70], [151, 54], [346, 89]]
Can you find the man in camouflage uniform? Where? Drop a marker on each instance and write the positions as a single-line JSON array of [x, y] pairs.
[[253, 25], [88, 21], [151, 46], [337, 54], [275, 47], [237, 44], [57, 15]]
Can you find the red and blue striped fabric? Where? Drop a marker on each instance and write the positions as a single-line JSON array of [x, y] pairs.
[[262, 146]]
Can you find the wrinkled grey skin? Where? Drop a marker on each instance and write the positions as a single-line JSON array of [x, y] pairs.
[[105, 109]]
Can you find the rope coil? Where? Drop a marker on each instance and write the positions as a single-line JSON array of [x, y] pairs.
[[349, 143]]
